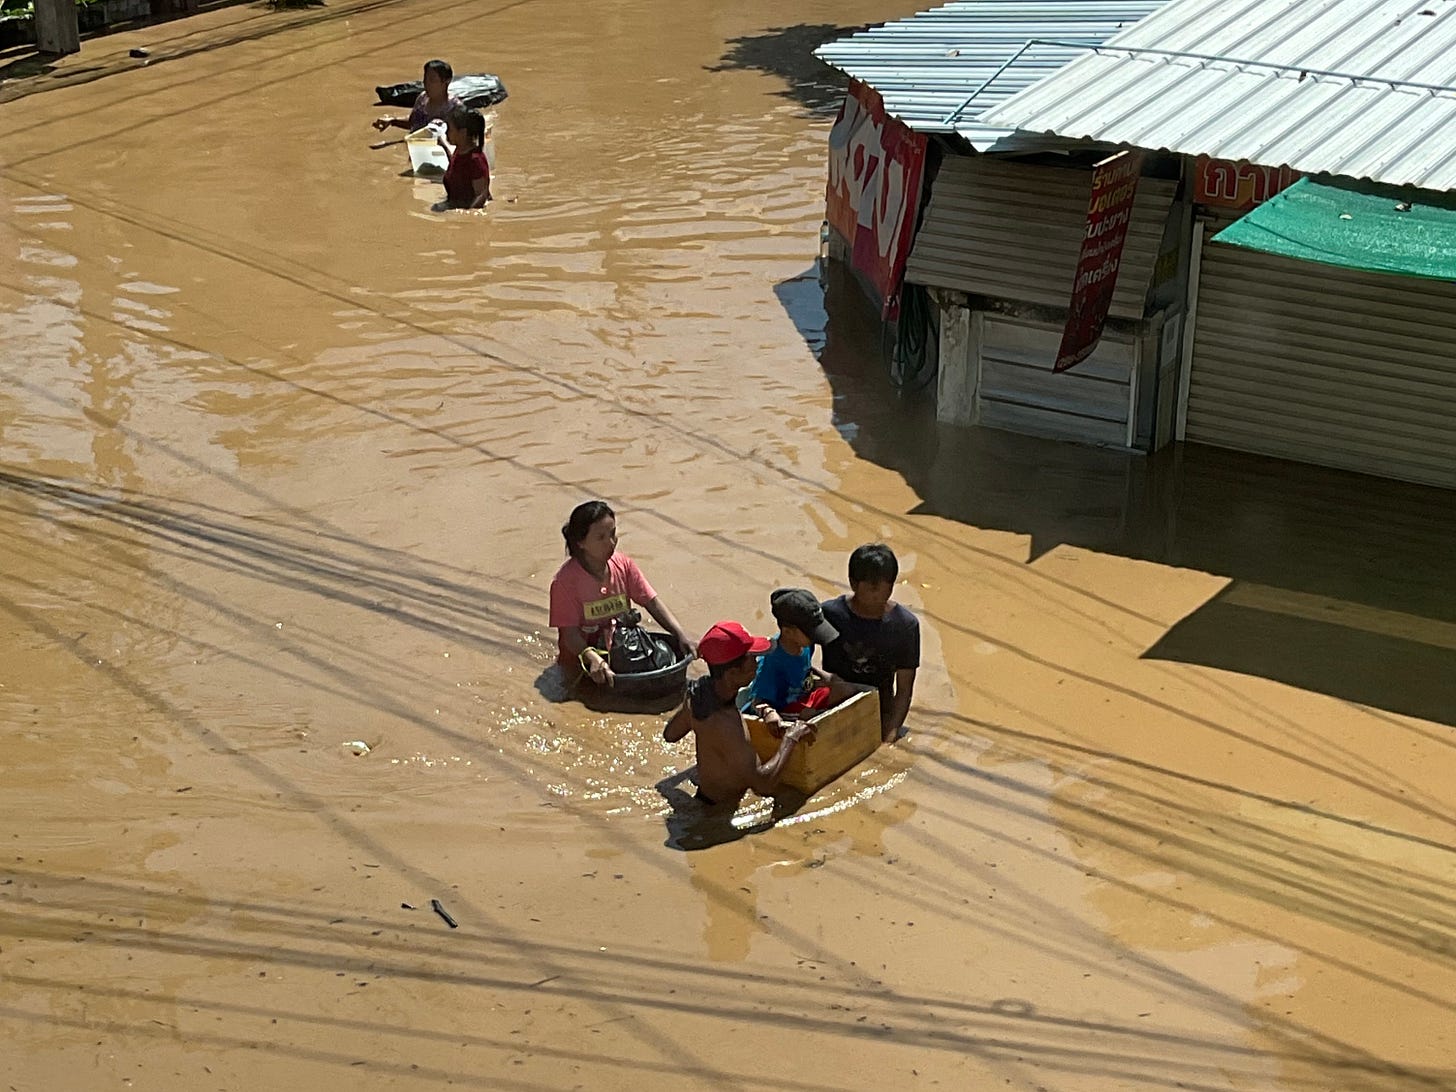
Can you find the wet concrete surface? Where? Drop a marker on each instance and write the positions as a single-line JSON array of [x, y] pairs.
[[282, 459]]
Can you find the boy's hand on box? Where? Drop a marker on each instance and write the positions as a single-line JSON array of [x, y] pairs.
[[771, 718]]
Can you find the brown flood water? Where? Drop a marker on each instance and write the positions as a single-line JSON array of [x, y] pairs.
[[282, 460]]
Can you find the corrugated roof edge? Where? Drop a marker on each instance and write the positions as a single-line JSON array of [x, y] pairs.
[[1350, 88], [931, 67]]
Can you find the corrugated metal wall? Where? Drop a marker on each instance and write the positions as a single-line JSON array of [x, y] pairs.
[[1325, 365], [1018, 391], [1012, 231]]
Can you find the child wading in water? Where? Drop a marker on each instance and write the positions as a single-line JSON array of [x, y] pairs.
[[467, 179]]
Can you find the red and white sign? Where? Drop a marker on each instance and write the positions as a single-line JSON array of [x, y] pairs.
[[1109, 214], [1226, 184], [876, 164]]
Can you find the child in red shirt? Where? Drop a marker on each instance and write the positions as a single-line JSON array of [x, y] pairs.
[[467, 179]]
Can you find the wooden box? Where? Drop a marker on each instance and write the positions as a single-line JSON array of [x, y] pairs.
[[844, 736]]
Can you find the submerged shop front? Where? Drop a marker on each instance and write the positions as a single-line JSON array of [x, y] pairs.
[[1322, 309], [998, 264], [1306, 318], [1324, 325], [971, 238], [1060, 294]]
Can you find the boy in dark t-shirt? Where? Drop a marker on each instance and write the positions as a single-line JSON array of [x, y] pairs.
[[879, 640]]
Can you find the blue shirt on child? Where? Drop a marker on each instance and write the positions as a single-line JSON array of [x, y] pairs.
[[781, 675]]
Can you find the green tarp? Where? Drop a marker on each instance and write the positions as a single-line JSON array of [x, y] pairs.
[[1359, 225]]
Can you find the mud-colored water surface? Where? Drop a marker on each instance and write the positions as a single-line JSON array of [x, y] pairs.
[[283, 456]]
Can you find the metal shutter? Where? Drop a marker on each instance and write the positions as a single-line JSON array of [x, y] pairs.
[[1014, 232], [1018, 390], [1325, 365]]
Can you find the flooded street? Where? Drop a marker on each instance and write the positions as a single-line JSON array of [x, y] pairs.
[[283, 460]]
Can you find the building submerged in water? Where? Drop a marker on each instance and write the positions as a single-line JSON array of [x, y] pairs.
[[1278, 278]]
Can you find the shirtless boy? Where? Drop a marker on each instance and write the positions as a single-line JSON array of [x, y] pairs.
[[728, 766]]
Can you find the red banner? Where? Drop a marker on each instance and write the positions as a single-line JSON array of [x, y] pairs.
[[876, 164], [1109, 213], [1241, 185]]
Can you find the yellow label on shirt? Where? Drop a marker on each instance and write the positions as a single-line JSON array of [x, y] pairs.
[[609, 607]]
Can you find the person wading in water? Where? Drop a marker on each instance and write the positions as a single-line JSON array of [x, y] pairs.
[[595, 586], [728, 766], [433, 104]]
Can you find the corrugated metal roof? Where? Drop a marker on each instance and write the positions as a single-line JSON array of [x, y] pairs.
[[1015, 232], [1342, 87], [927, 65]]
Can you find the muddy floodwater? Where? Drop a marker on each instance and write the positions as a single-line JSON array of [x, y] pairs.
[[283, 459]]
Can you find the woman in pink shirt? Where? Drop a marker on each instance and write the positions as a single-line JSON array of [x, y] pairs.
[[595, 586]]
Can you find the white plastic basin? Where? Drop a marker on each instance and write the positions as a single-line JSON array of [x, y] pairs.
[[425, 151]]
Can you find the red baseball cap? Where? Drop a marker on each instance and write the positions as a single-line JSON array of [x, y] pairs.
[[727, 641]]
